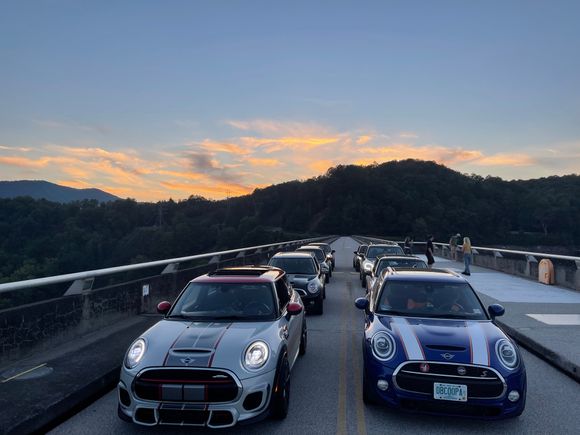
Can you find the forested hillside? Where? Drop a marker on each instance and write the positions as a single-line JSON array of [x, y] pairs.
[[42, 238]]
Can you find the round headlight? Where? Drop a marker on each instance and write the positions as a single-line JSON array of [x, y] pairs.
[[383, 345], [506, 353], [312, 286], [256, 355], [368, 267], [135, 353]]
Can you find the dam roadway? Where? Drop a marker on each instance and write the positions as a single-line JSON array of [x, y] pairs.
[[326, 392]]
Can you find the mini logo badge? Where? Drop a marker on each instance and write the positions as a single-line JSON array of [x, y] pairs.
[[424, 367], [461, 370], [187, 361], [447, 356]]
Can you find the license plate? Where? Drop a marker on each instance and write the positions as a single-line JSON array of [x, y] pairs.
[[454, 392]]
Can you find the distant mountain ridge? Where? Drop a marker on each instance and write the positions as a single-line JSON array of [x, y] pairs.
[[39, 189]]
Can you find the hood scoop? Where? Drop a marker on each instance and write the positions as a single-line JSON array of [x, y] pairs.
[[445, 348], [192, 351]]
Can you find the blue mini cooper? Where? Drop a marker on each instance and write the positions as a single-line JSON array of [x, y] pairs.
[[430, 346]]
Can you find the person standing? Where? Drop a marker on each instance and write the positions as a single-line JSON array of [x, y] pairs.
[[453, 241], [407, 246], [466, 255], [429, 252]]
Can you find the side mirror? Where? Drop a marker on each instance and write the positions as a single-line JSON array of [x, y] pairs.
[[361, 303], [163, 307], [332, 252], [294, 309], [355, 252], [496, 310]]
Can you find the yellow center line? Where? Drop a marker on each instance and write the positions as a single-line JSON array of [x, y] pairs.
[[357, 373], [341, 412], [23, 373]]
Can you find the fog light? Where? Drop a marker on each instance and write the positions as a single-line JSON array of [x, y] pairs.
[[382, 385], [513, 396]]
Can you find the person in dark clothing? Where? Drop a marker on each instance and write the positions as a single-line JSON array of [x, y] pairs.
[[429, 252]]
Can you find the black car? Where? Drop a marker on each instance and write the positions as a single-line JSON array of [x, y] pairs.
[[305, 276], [327, 250], [373, 252], [320, 256], [358, 255], [395, 261]]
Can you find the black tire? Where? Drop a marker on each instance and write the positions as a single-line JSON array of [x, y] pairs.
[[303, 339], [364, 282], [324, 292], [327, 278], [122, 415], [367, 394], [357, 267], [281, 393], [319, 307]]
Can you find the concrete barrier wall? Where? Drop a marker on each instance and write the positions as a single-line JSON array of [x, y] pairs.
[[566, 272], [40, 326]]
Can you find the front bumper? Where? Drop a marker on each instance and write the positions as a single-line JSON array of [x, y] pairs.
[[251, 402], [308, 299], [483, 408]]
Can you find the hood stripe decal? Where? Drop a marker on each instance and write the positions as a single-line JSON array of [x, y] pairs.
[[217, 343], [409, 339], [478, 344]]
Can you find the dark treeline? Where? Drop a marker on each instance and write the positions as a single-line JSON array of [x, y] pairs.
[[41, 238]]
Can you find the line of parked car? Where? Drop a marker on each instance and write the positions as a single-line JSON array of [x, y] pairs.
[[225, 350]]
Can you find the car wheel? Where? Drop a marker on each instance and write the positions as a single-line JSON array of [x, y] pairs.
[[319, 308], [357, 267], [281, 394], [368, 397], [327, 279], [364, 282], [303, 339], [324, 292]]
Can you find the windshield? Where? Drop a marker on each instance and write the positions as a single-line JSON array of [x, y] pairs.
[[414, 263], [295, 266], [375, 251], [325, 248], [430, 299], [317, 253], [235, 301]]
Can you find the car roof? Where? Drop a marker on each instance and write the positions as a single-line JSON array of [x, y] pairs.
[[374, 245], [319, 244], [398, 257], [410, 274], [242, 274], [309, 248], [292, 254]]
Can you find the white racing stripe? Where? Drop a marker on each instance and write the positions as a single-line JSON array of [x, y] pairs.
[[478, 344], [409, 339]]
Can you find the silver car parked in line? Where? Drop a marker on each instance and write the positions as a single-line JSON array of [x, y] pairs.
[[222, 354]]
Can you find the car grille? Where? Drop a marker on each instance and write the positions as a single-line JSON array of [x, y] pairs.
[[191, 385], [482, 382]]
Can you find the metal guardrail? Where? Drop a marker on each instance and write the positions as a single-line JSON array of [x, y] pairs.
[[170, 263]]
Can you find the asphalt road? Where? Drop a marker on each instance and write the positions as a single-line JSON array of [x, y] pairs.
[[326, 386]]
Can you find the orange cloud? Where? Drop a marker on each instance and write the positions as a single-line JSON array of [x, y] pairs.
[[363, 139], [321, 166], [223, 147], [23, 162], [263, 162], [506, 160]]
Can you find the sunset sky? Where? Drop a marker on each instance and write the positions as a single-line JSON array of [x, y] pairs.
[[165, 99]]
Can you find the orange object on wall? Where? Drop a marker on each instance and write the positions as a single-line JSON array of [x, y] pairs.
[[546, 272]]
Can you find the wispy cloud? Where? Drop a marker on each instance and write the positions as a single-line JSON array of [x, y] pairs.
[[71, 125]]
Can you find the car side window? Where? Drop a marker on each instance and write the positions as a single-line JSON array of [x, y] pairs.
[[283, 294]]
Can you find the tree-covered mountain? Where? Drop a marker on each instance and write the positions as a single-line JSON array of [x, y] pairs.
[[52, 192], [42, 238]]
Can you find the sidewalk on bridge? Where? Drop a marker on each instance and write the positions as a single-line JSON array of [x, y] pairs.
[[39, 391], [544, 319]]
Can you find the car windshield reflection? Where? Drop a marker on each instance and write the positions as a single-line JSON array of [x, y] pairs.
[[430, 299], [225, 301]]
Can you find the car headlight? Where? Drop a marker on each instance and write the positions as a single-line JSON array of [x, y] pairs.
[[324, 267], [368, 266], [312, 286], [506, 353], [135, 353], [256, 355], [383, 345]]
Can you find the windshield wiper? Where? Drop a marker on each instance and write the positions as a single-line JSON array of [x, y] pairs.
[[392, 313], [447, 316], [231, 317]]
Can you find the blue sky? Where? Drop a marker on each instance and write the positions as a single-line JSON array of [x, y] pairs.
[[151, 99]]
